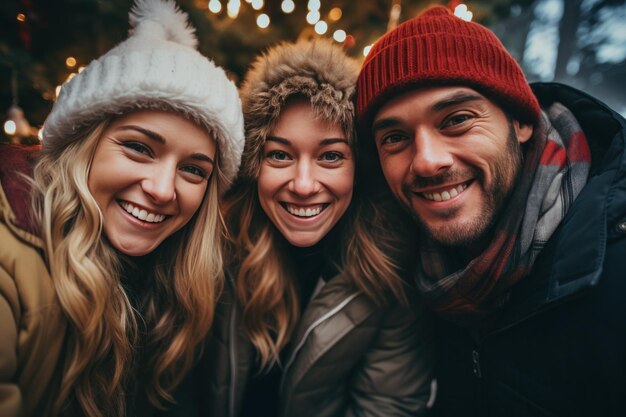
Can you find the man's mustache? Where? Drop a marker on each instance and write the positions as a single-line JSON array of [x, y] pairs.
[[448, 177]]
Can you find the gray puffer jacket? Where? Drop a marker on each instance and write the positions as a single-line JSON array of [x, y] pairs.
[[349, 358]]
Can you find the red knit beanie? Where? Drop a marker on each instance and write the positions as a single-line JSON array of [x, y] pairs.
[[438, 48]]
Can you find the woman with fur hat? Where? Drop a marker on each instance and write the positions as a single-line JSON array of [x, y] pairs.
[[315, 321], [107, 290]]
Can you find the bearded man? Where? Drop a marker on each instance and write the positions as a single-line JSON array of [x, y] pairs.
[[518, 193]]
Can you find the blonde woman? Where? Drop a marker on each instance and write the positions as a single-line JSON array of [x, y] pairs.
[[109, 285], [314, 321]]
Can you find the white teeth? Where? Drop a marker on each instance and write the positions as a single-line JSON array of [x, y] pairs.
[[142, 214], [301, 212], [445, 195]]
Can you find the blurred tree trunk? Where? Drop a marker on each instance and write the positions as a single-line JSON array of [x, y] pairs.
[[567, 37]]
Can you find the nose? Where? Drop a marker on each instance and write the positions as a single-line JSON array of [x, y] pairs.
[[431, 155], [304, 182], [160, 184]]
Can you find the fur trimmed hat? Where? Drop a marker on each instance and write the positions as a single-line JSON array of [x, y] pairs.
[[157, 67], [315, 69]]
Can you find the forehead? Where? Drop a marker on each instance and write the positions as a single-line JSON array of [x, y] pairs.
[[429, 99], [299, 122]]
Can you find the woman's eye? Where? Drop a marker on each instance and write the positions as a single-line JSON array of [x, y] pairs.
[[278, 155], [332, 156], [138, 147], [195, 171]]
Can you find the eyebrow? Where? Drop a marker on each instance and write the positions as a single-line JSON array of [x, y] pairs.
[[323, 142], [384, 124], [158, 138], [453, 100]]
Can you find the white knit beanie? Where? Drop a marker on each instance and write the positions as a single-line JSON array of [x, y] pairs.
[[157, 67]]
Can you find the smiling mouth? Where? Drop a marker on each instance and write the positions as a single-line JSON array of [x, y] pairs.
[[446, 194], [308, 211], [142, 214]]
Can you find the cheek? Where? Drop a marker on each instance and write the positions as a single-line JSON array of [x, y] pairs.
[[393, 169], [268, 184], [342, 184], [193, 196]]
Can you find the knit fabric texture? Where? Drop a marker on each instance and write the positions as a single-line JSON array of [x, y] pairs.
[[157, 67], [438, 48]]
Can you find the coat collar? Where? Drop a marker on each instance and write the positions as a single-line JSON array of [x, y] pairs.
[[332, 313], [573, 258]]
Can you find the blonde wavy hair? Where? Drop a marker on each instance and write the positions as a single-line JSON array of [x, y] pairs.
[[86, 271], [265, 281]]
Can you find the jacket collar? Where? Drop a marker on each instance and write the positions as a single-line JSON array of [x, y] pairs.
[[573, 258], [332, 313]]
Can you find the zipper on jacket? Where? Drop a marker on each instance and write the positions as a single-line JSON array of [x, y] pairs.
[[233, 366], [476, 364], [316, 323]]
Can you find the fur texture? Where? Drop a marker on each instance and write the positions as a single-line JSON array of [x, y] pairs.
[[318, 70], [168, 18]]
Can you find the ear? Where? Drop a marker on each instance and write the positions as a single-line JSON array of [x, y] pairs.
[[522, 131]]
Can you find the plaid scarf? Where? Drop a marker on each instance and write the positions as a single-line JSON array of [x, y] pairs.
[[555, 170]]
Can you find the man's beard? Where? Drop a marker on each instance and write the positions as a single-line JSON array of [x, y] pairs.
[[474, 234]]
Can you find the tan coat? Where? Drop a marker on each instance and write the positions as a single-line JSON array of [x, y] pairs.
[[32, 326]]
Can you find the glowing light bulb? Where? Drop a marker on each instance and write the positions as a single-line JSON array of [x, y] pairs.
[[461, 12], [314, 5], [257, 4], [366, 50], [321, 27], [339, 35], [10, 127], [263, 21], [70, 62], [232, 8], [215, 6], [335, 14], [288, 6], [312, 17]]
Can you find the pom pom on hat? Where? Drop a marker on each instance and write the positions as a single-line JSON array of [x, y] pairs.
[[157, 67], [438, 48], [168, 22]]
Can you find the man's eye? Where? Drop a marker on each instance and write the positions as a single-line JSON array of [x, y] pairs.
[[332, 156], [456, 120], [138, 147], [392, 139]]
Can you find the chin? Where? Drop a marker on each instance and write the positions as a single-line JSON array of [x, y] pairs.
[[303, 242]]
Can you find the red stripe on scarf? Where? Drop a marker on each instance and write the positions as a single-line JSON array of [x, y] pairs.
[[578, 149], [554, 155]]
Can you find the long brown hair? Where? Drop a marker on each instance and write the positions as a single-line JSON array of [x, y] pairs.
[[85, 269], [265, 284]]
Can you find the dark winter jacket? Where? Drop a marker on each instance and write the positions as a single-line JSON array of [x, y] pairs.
[[348, 358], [558, 348]]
